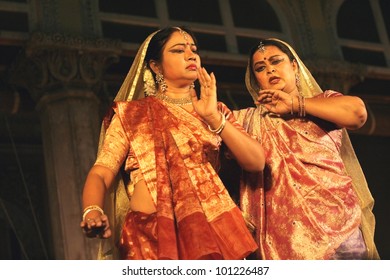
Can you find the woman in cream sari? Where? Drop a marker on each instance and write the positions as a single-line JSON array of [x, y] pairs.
[[312, 200], [158, 161]]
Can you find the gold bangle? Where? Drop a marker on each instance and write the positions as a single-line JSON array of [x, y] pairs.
[[221, 126], [92, 208], [301, 103], [299, 106]]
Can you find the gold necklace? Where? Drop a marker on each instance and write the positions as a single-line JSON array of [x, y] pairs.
[[177, 101]]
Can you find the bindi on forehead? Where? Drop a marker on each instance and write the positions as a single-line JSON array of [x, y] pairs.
[[261, 57], [268, 55]]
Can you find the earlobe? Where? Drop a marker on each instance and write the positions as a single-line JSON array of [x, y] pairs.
[[154, 66], [295, 66]]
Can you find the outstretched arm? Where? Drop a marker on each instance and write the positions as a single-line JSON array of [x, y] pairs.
[[344, 111]]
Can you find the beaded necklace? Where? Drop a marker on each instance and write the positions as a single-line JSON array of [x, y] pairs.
[[177, 101]]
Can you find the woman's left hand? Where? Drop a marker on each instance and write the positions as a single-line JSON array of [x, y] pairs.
[[276, 101], [206, 105]]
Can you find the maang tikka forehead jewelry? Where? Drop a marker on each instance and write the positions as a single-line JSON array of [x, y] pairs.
[[183, 33], [261, 47]]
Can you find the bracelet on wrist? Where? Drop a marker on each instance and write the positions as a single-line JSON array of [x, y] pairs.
[[219, 129], [92, 208], [301, 106]]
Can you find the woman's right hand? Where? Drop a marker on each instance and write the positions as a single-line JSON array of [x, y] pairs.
[[97, 227], [277, 101], [95, 223]]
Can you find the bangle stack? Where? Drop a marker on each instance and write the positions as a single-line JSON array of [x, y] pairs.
[[92, 208], [301, 106], [219, 129]]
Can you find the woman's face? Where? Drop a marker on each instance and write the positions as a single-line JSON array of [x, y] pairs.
[[180, 60], [274, 70]]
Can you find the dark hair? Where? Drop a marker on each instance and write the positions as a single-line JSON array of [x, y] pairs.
[[159, 40], [270, 42]]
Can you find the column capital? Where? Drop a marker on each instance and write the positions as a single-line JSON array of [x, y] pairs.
[[53, 61]]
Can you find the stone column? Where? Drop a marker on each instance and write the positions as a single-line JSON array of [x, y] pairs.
[[69, 121], [63, 75]]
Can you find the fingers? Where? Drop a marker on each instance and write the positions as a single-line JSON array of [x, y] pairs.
[[265, 97], [206, 80], [275, 101], [93, 232], [96, 227], [212, 79], [107, 233]]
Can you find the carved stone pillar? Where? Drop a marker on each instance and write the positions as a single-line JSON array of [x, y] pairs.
[[63, 74]]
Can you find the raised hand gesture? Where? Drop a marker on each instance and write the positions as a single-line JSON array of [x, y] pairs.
[[206, 105]]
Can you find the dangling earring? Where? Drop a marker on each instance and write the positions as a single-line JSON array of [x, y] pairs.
[[301, 99], [160, 80], [298, 84], [192, 86]]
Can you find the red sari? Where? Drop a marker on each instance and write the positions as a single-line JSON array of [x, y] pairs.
[[178, 156]]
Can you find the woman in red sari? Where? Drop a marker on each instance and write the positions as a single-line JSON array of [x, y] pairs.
[[170, 203], [312, 201]]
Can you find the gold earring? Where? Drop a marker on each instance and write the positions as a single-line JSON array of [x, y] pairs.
[[161, 82], [298, 84]]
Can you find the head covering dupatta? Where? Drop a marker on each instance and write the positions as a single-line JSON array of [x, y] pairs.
[[310, 88], [138, 81]]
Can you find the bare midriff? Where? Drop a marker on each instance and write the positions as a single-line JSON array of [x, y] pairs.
[[141, 199]]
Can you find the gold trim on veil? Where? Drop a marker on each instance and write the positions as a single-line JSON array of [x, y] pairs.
[[138, 81], [310, 88]]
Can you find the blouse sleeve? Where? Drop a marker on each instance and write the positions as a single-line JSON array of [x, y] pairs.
[[115, 147]]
